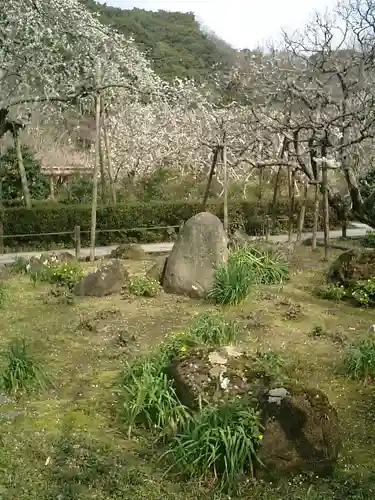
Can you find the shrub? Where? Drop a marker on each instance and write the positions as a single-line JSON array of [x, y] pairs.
[[220, 441], [359, 361], [245, 268], [330, 291], [46, 218], [63, 274], [363, 292], [143, 286], [148, 396], [211, 328], [369, 239], [22, 373], [4, 294]]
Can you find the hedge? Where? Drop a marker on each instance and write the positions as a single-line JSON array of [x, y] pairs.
[[49, 219]]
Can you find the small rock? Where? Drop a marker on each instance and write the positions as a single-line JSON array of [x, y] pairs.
[[107, 279], [129, 251], [216, 359], [276, 395], [231, 351], [157, 271]]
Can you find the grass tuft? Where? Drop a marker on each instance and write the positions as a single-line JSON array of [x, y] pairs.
[[22, 373], [4, 294], [359, 361], [219, 442], [211, 328], [148, 396], [246, 268]]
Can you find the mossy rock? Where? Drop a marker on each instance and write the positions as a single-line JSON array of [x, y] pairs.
[[301, 432], [130, 251], [198, 375], [352, 266], [301, 428]]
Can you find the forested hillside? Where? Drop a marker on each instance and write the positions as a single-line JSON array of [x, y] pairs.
[[174, 41]]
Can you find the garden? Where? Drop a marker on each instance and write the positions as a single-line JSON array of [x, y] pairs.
[[99, 399]]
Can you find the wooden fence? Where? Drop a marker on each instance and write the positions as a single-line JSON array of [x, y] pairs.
[[76, 234]]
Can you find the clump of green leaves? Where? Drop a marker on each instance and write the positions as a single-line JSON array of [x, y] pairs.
[[148, 396], [63, 274], [143, 286], [211, 328], [232, 284], [363, 292], [4, 294], [369, 239], [22, 372], [359, 361], [330, 291], [220, 442], [270, 362], [246, 267], [267, 270]]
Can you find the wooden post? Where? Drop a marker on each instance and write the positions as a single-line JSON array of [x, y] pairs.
[[1, 237], [77, 241], [267, 228], [94, 204], [225, 168], [316, 184], [51, 187], [291, 201]]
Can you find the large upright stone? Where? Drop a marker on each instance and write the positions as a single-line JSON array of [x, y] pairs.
[[201, 246]]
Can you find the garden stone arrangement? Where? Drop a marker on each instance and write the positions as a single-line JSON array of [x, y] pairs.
[[167, 353]]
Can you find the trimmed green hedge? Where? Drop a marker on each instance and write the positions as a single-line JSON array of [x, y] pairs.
[[49, 219]]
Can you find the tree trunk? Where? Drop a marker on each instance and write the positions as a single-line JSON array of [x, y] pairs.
[[21, 167], [108, 151], [291, 202], [225, 168], [215, 154], [96, 169], [316, 215], [102, 171], [260, 184]]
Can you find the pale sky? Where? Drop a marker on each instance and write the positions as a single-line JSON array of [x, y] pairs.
[[242, 23]]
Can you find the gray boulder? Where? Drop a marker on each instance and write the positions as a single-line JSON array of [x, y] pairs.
[[157, 271], [201, 246], [107, 279]]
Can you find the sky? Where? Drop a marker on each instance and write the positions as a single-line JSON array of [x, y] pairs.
[[241, 23]]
